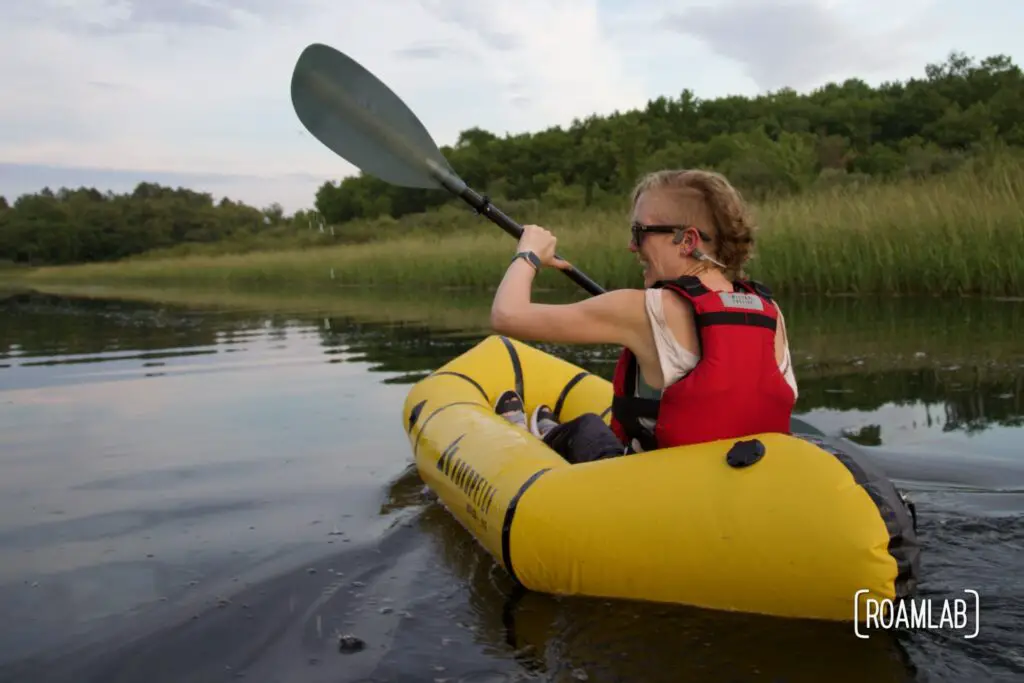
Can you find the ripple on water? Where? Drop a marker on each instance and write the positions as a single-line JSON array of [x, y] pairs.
[[170, 475]]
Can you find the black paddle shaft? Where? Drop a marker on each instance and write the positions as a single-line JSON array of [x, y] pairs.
[[360, 119], [483, 206]]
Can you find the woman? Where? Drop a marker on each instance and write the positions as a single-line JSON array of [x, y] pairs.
[[705, 354]]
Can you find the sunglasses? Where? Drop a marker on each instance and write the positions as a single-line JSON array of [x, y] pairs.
[[638, 229]]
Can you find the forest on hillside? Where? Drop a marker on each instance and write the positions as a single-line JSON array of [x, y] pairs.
[[774, 144]]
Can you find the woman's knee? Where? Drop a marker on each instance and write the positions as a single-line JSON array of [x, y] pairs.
[[592, 423], [597, 436]]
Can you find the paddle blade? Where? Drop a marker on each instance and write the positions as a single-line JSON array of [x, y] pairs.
[[360, 119]]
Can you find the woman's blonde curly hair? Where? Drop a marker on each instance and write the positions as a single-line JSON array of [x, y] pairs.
[[706, 200]]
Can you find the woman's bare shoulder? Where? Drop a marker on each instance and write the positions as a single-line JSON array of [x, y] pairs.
[[628, 304], [675, 306]]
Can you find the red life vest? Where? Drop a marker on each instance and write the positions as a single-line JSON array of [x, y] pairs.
[[735, 390]]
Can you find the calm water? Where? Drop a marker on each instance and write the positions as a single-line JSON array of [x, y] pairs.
[[202, 494]]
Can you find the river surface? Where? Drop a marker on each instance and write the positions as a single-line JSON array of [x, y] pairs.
[[201, 491]]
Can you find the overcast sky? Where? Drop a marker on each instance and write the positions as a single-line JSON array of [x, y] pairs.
[[106, 93]]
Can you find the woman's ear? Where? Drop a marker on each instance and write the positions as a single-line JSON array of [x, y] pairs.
[[688, 241]]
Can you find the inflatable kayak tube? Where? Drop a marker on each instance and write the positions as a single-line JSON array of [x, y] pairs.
[[797, 533]]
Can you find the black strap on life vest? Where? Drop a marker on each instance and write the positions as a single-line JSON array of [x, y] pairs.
[[735, 318], [760, 289], [695, 288], [630, 409], [691, 283]]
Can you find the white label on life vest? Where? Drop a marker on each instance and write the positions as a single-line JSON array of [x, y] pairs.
[[741, 300]]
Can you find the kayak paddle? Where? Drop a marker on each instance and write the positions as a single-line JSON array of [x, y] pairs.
[[360, 119]]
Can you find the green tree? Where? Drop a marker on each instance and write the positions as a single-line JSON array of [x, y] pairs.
[[780, 142], [774, 144]]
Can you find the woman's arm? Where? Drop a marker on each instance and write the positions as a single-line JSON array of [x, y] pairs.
[[611, 318]]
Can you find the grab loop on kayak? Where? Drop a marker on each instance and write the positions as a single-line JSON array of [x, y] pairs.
[[745, 453]]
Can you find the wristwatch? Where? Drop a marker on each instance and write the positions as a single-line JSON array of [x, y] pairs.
[[529, 257]]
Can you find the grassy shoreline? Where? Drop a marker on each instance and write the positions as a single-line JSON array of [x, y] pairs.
[[828, 335], [957, 234]]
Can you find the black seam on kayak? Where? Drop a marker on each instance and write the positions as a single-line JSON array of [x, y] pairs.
[[414, 415], [604, 413], [517, 367], [902, 545], [468, 379], [560, 403], [506, 527], [430, 417]]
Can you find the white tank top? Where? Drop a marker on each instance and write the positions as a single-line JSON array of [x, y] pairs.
[[676, 362]]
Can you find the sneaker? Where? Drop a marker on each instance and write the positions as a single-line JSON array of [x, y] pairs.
[[510, 406], [542, 421]]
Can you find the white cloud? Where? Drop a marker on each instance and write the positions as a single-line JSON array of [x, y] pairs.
[[802, 43], [201, 86]]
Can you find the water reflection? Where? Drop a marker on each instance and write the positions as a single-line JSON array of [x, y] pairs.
[[960, 370], [150, 444]]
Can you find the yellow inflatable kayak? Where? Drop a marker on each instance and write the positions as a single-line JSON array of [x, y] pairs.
[[795, 534]]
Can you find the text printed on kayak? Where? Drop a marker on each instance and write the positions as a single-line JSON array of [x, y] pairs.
[[947, 614]]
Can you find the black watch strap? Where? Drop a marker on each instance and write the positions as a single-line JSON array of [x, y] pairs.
[[529, 257]]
